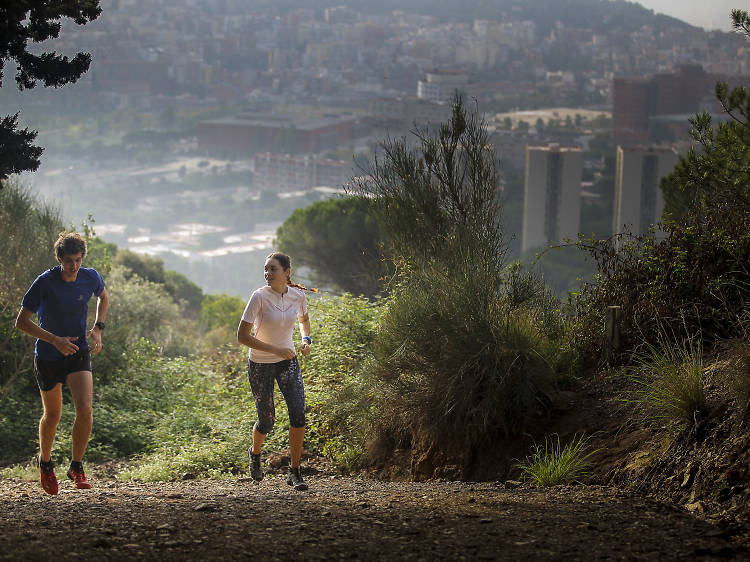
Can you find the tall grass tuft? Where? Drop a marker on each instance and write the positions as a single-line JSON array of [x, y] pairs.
[[552, 464], [671, 381]]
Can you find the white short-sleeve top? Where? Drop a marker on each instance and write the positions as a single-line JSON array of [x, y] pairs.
[[273, 317]]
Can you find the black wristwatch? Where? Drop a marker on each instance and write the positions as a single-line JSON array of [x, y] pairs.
[[99, 325]]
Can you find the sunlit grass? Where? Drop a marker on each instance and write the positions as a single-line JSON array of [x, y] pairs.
[[671, 381], [29, 471], [552, 464]]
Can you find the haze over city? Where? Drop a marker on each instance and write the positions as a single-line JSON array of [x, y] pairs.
[[200, 127]]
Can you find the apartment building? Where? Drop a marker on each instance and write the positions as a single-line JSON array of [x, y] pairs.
[[289, 172], [552, 195], [638, 200], [440, 85]]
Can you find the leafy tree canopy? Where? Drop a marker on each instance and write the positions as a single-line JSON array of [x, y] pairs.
[[179, 287], [340, 241], [222, 311], [36, 21]]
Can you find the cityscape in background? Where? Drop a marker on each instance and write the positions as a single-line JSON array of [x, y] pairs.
[[202, 125]]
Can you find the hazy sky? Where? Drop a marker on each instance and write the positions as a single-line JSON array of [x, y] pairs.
[[711, 14]]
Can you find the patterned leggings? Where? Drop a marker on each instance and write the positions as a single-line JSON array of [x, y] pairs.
[[287, 373]]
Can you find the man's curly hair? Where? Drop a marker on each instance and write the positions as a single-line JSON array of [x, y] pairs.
[[69, 243]]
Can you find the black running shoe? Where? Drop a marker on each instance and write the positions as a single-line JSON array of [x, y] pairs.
[[256, 472], [294, 478]]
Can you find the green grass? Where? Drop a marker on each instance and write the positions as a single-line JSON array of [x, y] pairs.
[[27, 472], [671, 382], [553, 464]]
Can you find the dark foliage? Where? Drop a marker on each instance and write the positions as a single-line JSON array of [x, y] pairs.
[[36, 21], [152, 269], [17, 154], [697, 279]]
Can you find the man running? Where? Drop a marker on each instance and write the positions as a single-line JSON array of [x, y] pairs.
[[59, 297]]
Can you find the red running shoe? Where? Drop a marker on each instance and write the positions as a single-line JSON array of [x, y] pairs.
[[47, 478], [79, 479]]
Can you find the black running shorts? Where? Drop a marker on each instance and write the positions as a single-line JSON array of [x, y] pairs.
[[49, 373]]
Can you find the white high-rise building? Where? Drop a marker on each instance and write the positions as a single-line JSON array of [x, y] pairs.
[[441, 85], [552, 195], [638, 200]]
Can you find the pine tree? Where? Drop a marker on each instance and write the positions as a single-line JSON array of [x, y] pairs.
[[36, 21]]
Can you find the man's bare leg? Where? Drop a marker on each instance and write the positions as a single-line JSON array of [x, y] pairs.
[[52, 409], [81, 388]]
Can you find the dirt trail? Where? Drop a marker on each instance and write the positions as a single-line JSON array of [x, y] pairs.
[[347, 518]]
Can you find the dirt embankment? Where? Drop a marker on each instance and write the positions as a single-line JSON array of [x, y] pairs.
[[347, 518], [703, 469]]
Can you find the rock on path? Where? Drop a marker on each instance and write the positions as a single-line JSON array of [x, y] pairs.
[[347, 518]]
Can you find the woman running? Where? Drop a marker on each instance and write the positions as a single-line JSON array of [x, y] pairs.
[[272, 311]]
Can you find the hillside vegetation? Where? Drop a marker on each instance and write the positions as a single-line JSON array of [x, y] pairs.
[[467, 364]]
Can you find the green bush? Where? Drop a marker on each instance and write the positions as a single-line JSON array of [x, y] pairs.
[[553, 464], [140, 309], [697, 279], [222, 311], [466, 347], [455, 364], [205, 424], [28, 229], [127, 405], [337, 419]]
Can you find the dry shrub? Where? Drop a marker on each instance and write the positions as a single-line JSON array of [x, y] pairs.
[[735, 370]]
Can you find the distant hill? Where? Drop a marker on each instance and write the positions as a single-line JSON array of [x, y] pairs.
[[606, 15]]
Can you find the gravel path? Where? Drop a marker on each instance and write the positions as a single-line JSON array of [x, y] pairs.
[[347, 518]]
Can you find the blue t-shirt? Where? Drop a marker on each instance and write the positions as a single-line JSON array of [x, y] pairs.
[[61, 306]]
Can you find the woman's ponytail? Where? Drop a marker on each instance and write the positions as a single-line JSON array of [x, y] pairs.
[[291, 284]]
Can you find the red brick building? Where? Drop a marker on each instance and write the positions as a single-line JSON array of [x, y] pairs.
[[638, 99]]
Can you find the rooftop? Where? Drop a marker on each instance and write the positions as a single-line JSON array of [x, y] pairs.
[[265, 120]]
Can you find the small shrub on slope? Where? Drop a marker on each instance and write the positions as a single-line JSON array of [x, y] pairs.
[[553, 464], [671, 382]]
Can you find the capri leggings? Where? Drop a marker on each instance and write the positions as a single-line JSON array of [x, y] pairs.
[[287, 373]]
